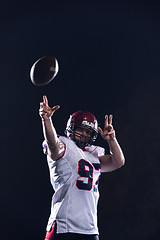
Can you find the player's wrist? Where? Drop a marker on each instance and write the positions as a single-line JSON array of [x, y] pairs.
[[111, 139], [46, 119]]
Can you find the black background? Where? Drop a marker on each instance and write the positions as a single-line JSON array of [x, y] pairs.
[[108, 54]]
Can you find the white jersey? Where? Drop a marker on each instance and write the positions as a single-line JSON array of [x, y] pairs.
[[74, 178]]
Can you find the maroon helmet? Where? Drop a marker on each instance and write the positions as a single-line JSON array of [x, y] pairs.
[[82, 119]]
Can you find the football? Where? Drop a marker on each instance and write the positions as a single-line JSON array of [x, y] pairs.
[[44, 70]]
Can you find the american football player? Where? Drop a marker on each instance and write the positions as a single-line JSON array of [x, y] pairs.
[[75, 166]]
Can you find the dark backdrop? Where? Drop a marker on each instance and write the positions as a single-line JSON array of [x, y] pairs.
[[108, 55]]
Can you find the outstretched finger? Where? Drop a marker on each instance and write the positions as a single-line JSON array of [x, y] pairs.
[[106, 121], [45, 100], [110, 119], [55, 108]]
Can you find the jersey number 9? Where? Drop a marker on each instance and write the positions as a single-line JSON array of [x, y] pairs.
[[85, 170]]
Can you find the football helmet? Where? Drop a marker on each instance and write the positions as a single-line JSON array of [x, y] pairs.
[[82, 119]]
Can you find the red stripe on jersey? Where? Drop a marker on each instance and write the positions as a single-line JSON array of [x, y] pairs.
[[50, 234], [94, 149], [87, 150]]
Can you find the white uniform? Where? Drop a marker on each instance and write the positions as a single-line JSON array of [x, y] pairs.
[[74, 178]]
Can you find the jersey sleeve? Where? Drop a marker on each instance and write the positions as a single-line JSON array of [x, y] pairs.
[[101, 151], [45, 148], [96, 151]]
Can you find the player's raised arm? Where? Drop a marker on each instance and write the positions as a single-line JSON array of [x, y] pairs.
[[116, 159], [55, 146]]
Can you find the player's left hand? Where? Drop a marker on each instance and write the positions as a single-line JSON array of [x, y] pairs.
[[108, 133]]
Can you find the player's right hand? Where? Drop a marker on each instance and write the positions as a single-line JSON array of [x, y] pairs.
[[45, 111]]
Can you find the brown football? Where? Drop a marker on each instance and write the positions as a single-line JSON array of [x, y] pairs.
[[44, 70]]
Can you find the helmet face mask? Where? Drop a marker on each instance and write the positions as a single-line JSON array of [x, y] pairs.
[[82, 119]]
